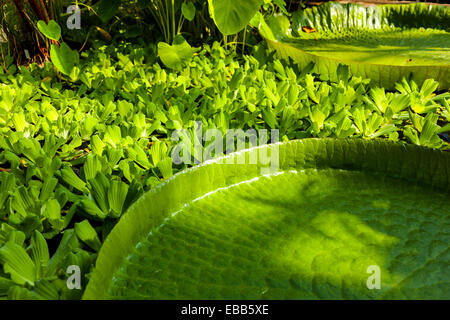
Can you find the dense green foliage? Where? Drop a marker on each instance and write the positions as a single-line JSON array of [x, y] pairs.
[[84, 136], [87, 151]]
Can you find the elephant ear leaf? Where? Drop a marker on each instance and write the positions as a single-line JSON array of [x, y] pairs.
[[188, 10], [178, 54], [18, 263], [64, 58], [86, 233], [52, 30], [39, 252], [232, 16]]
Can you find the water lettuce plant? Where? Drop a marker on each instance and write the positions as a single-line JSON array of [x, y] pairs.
[[384, 43], [314, 229]]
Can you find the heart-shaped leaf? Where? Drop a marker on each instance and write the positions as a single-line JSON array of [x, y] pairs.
[[52, 30], [188, 10], [64, 58], [106, 9], [232, 16], [176, 55]]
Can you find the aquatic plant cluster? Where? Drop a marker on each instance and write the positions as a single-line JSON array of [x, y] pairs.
[[196, 149]]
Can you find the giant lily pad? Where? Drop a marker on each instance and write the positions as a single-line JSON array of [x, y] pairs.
[[384, 43], [318, 227]]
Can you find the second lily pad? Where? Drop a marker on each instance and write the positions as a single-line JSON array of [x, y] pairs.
[[383, 43]]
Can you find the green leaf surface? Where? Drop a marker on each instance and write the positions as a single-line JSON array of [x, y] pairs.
[[18, 264], [69, 176], [51, 210], [39, 251], [86, 233], [188, 10], [176, 55], [106, 9], [69, 242], [64, 58], [45, 290], [117, 194], [52, 30], [232, 16], [308, 230], [383, 43]]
